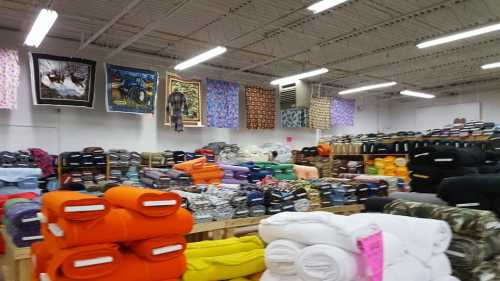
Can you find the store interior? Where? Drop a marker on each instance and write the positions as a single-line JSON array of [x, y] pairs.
[[246, 140]]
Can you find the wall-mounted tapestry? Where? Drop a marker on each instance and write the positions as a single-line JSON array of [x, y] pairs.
[[183, 103], [9, 78], [62, 81], [223, 109], [130, 90]]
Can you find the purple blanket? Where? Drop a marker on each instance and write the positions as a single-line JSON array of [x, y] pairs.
[[23, 216]]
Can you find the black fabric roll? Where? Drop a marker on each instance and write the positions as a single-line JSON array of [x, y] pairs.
[[377, 204], [478, 192], [420, 186]]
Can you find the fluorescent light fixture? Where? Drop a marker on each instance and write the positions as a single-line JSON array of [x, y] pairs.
[[217, 51], [460, 36], [491, 65], [293, 78], [46, 18], [417, 94], [367, 88], [325, 5]]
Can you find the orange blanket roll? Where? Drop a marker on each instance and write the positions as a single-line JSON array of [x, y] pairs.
[[40, 257], [74, 206], [204, 176], [148, 202], [159, 249], [87, 262], [119, 225], [188, 166], [132, 268]]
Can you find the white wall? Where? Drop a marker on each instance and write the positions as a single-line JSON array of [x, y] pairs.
[[402, 116], [64, 129]]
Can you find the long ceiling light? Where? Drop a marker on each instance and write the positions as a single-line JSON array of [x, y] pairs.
[[491, 65], [368, 88], [201, 58], [293, 78], [417, 94], [44, 21], [460, 36], [325, 5]]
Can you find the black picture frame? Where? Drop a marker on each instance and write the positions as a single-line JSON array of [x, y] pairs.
[[84, 82]]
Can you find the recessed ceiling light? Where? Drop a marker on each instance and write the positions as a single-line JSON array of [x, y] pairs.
[[293, 78], [491, 65], [417, 94], [201, 58], [321, 6], [43, 23], [368, 88], [460, 36]]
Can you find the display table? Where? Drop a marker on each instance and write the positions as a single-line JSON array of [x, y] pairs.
[[227, 228], [16, 262]]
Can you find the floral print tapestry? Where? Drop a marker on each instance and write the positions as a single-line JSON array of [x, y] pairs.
[[9, 78], [343, 111], [261, 108], [223, 108]]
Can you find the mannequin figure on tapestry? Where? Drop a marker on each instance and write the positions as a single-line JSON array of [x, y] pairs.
[[176, 107]]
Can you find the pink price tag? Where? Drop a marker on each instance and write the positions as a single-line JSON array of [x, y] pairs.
[[372, 252]]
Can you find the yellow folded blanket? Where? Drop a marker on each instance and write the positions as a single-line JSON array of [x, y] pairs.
[[223, 247], [225, 267]]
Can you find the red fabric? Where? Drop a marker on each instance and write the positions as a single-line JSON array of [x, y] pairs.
[[55, 202], [144, 248]]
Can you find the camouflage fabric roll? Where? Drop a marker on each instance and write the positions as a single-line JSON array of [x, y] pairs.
[[467, 253], [468, 222], [487, 271]]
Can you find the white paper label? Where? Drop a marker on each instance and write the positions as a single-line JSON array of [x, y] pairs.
[[55, 230], [90, 262], [443, 160], [421, 154], [31, 238], [166, 249], [456, 254], [159, 203], [468, 205], [88, 208], [30, 220], [44, 277]]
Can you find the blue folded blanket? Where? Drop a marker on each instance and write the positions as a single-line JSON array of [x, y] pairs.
[[23, 238]]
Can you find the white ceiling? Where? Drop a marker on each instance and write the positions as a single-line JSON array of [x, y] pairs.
[[361, 42]]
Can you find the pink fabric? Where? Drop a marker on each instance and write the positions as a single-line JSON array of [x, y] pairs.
[[372, 251], [9, 78]]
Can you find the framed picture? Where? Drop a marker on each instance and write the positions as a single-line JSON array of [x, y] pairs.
[[62, 81], [130, 90], [191, 89]]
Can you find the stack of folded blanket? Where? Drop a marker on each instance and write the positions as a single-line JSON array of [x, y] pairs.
[[18, 159], [235, 174], [164, 178], [201, 172], [124, 165], [19, 180], [21, 221], [476, 236], [322, 246], [130, 234], [229, 259], [256, 173], [476, 192], [430, 165], [90, 158]]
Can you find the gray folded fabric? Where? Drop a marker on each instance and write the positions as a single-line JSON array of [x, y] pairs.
[[418, 197]]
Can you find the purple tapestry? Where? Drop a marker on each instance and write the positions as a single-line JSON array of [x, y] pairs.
[[223, 109], [342, 111]]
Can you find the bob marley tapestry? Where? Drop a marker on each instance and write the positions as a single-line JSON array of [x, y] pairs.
[[130, 90], [62, 81], [191, 112]]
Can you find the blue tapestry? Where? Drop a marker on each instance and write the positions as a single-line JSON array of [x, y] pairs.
[[223, 110], [130, 90]]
